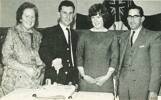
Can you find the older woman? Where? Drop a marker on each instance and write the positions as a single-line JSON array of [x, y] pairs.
[[97, 53], [23, 67]]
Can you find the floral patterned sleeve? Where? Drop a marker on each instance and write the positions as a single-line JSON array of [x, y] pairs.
[[9, 58], [38, 41]]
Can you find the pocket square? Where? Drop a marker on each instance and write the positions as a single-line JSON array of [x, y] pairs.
[[141, 46]]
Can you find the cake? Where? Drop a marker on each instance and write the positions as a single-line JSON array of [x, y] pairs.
[[52, 92], [46, 92]]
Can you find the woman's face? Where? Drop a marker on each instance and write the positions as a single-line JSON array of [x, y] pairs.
[[97, 21], [28, 18]]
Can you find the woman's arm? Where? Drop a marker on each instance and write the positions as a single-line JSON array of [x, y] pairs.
[[113, 64], [102, 79], [80, 54], [87, 78]]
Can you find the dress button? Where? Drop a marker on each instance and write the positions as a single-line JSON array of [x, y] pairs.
[[133, 69], [66, 72], [67, 60], [67, 48]]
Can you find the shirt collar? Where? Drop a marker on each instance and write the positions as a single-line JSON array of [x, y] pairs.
[[64, 27], [137, 30]]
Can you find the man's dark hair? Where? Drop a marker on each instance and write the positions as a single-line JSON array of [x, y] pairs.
[[141, 12], [67, 4], [21, 9]]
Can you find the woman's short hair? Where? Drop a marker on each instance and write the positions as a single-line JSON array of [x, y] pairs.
[[21, 9], [101, 10]]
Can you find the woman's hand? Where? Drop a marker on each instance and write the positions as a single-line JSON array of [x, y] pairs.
[[101, 80], [31, 71], [89, 79]]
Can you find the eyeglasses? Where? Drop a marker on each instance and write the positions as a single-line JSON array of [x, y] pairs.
[[134, 16]]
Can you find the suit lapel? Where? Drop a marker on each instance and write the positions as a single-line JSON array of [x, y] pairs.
[[61, 35], [139, 39]]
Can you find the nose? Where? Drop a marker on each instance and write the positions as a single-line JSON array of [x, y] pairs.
[[68, 16], [31, 18]]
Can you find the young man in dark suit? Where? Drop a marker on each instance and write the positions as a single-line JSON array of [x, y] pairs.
[[58, 48], [140, 60]]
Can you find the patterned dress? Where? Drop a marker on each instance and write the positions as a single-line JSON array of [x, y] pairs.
[[20, 50], [96, 52]]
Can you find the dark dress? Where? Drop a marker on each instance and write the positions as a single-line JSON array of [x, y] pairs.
[[96, 51]]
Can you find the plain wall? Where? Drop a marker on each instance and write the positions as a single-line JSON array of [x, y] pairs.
[[48, 13], [48, 10]]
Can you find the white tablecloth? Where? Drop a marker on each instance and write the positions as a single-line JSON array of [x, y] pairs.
[[26, 94]]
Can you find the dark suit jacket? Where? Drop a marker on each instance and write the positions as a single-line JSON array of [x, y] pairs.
[[53, 46], [146, 59]]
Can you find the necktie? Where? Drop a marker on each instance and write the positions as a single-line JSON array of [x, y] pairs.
[[70, 46], [132, 36]]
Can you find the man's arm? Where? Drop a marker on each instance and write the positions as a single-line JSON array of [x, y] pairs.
[[155, 56], [45, 50]]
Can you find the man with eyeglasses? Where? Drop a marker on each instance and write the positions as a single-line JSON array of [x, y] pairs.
[[140, 60]]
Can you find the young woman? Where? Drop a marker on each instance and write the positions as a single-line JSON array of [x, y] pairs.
[[97, 53]]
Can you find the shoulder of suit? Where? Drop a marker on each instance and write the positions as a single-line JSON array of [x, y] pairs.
[[152, 33], [50, 30]]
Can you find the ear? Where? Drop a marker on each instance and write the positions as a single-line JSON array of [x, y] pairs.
[[58, 14], [142, 18], [20, 20], [74, 15]]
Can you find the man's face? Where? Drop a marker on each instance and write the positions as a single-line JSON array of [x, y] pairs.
[[134, 19], [66, 15]]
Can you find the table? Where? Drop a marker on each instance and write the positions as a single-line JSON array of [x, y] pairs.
[[26, 94]]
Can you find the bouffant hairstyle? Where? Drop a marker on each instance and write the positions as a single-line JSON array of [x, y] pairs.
[[101, 10]]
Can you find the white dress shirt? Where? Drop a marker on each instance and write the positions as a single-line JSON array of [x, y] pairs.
[[64, 28], [137, 31], [64, 31]]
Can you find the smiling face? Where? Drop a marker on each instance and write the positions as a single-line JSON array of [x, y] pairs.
[[66, 15], [97, 21], [28, 18], [134, 19]]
